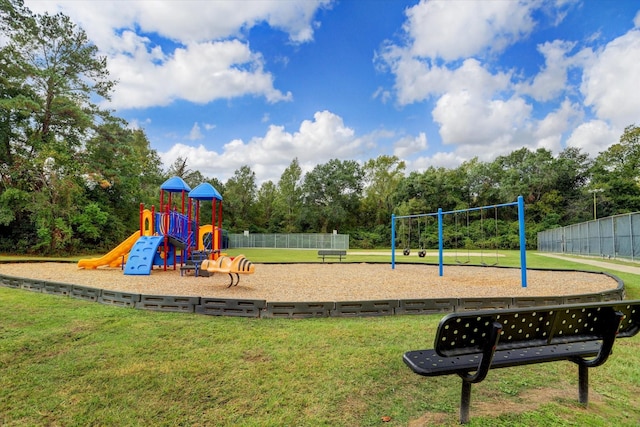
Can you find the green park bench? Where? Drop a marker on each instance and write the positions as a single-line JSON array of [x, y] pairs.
[[335, 253]]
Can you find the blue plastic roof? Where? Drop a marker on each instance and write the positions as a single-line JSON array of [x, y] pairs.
[[205, 191], [175, 185]]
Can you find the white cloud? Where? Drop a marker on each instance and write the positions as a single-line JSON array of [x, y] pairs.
[[449, 160], [610, 82], [202, 56], [552, 79], [382, 94], [218, 19], [417, 80], [189, 21], [451, 30], [551, 130], [546, 133], [593, 137], [448, 58], [198, 73], [317, 141], [407, 146], [138, 124], [471, 120], [195, 132]]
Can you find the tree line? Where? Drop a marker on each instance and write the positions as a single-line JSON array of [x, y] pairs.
[[72, 174]]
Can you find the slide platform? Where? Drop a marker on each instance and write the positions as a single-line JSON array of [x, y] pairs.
[[141, 257], [114, 257]]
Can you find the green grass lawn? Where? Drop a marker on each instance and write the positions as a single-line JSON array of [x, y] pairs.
[[67, 362]]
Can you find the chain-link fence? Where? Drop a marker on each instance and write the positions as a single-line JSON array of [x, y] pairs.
[[289, 241], [612, 237]]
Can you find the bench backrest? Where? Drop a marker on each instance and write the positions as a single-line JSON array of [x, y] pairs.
[[332, 252], [466, 333]]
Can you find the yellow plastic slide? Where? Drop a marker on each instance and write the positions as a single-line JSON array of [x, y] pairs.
[[114, 257]]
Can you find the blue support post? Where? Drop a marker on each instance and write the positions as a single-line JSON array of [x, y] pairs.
[[393, 241], [523, 242], [440, 243]]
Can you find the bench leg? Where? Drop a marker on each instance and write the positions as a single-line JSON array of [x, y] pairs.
[[465, 402], [583, 384]]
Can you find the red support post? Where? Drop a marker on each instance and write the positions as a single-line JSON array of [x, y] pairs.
[[166, 233], [219, 230], [188, 249], [213, 225], [153, 220], [141, 219]]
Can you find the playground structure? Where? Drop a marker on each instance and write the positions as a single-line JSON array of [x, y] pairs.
[[439, 215], [169, 236]]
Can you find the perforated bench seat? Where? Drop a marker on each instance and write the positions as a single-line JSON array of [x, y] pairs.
[[469, 344], [429, 363]]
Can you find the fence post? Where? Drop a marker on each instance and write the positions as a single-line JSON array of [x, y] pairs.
[[613, 233], [633, 250]]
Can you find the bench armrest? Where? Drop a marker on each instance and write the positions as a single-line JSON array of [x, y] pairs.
[[609, 338], [488, 351]]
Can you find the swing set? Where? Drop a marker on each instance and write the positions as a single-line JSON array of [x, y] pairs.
[[465, 240], [485, 258], [406, 251], [483, 244]]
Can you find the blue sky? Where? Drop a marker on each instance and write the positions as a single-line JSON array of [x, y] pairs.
[[259, 83]]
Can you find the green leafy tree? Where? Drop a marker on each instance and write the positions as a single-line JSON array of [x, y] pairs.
[[51, 76], [180, 168], [120, 172], [616, 171], [526, 173], [332, 193], [382, 178], [479, 184], [63, 70], [91, 221], [265, 207], [289, 198], [572, 169], [548, 184], [239, 200]]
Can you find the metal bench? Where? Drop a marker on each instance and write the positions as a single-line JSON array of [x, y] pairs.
[[469, 344], [325, 253]]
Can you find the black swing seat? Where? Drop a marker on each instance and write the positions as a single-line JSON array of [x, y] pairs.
[[469, 344]]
